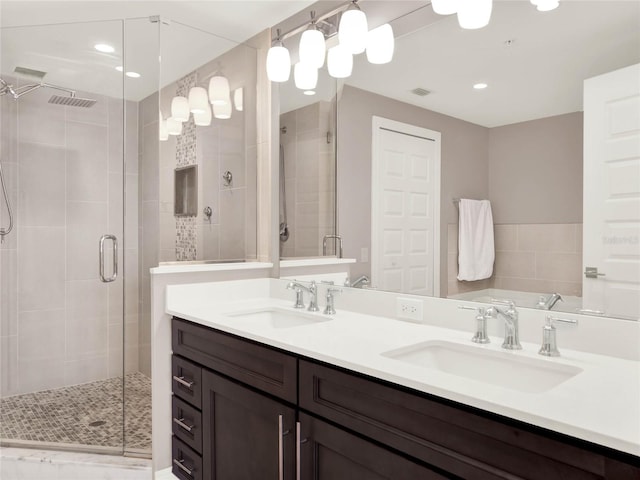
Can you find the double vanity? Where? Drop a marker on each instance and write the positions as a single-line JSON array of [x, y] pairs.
[[275, 391]]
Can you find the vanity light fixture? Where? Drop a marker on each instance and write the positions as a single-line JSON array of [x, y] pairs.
[[305, 76], [312, 48], [353, 38], [480, 86], [380, 45], [474, 14], [180, 109], [444, 7], [219, 93], [203, 119], [353, 28], [238, 99], [198, 100], [174, 127], [104, 48], [339, 62], [278, 61], [222, 111], [545, 5]]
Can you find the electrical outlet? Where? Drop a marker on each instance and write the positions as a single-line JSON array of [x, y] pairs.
[[409, 309]]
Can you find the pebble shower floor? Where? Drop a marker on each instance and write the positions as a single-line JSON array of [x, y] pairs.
[[64, 415]]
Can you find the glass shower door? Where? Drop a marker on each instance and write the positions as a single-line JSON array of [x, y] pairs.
[[63, 129]]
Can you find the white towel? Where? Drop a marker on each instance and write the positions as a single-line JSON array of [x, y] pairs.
[[476, 251]]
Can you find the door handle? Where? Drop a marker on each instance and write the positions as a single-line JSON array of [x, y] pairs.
[[592, 272], [114, 274]]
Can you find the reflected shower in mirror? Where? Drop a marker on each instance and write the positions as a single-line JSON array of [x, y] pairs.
[[307, 169]]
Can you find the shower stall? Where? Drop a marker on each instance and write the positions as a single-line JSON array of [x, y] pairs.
[[87, 209], [70, 299]]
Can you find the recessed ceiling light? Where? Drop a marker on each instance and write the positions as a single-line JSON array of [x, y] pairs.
[[104, 48], [132, 74], [480, 86], [309, 92], [120, 68]]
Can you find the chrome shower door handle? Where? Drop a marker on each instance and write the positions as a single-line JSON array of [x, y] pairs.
[[114, 242]]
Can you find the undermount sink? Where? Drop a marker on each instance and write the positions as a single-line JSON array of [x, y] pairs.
[[505, 369], [277, 317]]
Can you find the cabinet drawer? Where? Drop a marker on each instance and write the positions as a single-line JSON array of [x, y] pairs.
[[259, 366], [187, 424], [185, 463], [453, 438], [187, 381]]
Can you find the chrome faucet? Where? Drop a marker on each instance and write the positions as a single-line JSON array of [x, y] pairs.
[[510, 316], [330, 309], [312, 289], [360, 282], [549, 302]]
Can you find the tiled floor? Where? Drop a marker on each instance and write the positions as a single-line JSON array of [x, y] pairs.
[[66, 415]]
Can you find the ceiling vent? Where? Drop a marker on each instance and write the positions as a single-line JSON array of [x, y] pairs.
[[421, 92]]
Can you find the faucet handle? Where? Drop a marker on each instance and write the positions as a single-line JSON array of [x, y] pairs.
[[331, 292], [549, 346]]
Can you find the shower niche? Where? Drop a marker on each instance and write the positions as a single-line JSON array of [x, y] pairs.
[[185, 181]]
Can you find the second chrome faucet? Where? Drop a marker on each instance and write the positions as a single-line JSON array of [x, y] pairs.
[[510, 316]]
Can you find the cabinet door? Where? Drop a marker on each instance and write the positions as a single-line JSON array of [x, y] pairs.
[[330, 453], [246, 435]]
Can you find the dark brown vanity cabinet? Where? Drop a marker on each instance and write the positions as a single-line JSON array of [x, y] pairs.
[[267, 414]]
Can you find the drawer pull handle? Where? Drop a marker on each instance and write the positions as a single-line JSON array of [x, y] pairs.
[[180, 465], [183, 382], [180, 422], [297, 450]]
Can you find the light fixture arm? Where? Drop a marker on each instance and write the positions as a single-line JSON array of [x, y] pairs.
[[315, 20]]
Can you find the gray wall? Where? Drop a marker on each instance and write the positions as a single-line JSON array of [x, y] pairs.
[[535, 171], [465, 160], [531, 172]]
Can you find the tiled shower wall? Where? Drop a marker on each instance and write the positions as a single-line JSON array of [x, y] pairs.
[[59, 324], [225, 145], [309, 171], [542, 258]]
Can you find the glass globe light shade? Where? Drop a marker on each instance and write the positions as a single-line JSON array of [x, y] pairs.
[[174, 127], [180, 109], [474, 14], [203, 119], [218, 90], [198, 100], [278, 64], [306, 76], [353, 29], [380, 45], [444, 7], [222, 112], [339, 62], [312, 48]]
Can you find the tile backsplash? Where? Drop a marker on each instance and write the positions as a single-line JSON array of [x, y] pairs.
[[542, 258]]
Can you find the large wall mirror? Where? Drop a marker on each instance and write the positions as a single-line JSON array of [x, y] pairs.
[[517, 143]]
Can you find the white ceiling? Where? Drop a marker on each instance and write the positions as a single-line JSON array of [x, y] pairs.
[[197, 31], [540, 75]]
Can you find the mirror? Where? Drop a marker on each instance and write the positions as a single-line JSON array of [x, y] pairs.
[[517, 143], [307, 168]]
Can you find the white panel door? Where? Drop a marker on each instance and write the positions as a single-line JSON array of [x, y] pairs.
[[612, 192], [405, 208]]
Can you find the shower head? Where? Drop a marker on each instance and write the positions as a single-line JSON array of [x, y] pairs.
[[72, 101]]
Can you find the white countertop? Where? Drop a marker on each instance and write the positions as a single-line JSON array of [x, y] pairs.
[[191, 267], [313, 261], [601, 404]]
